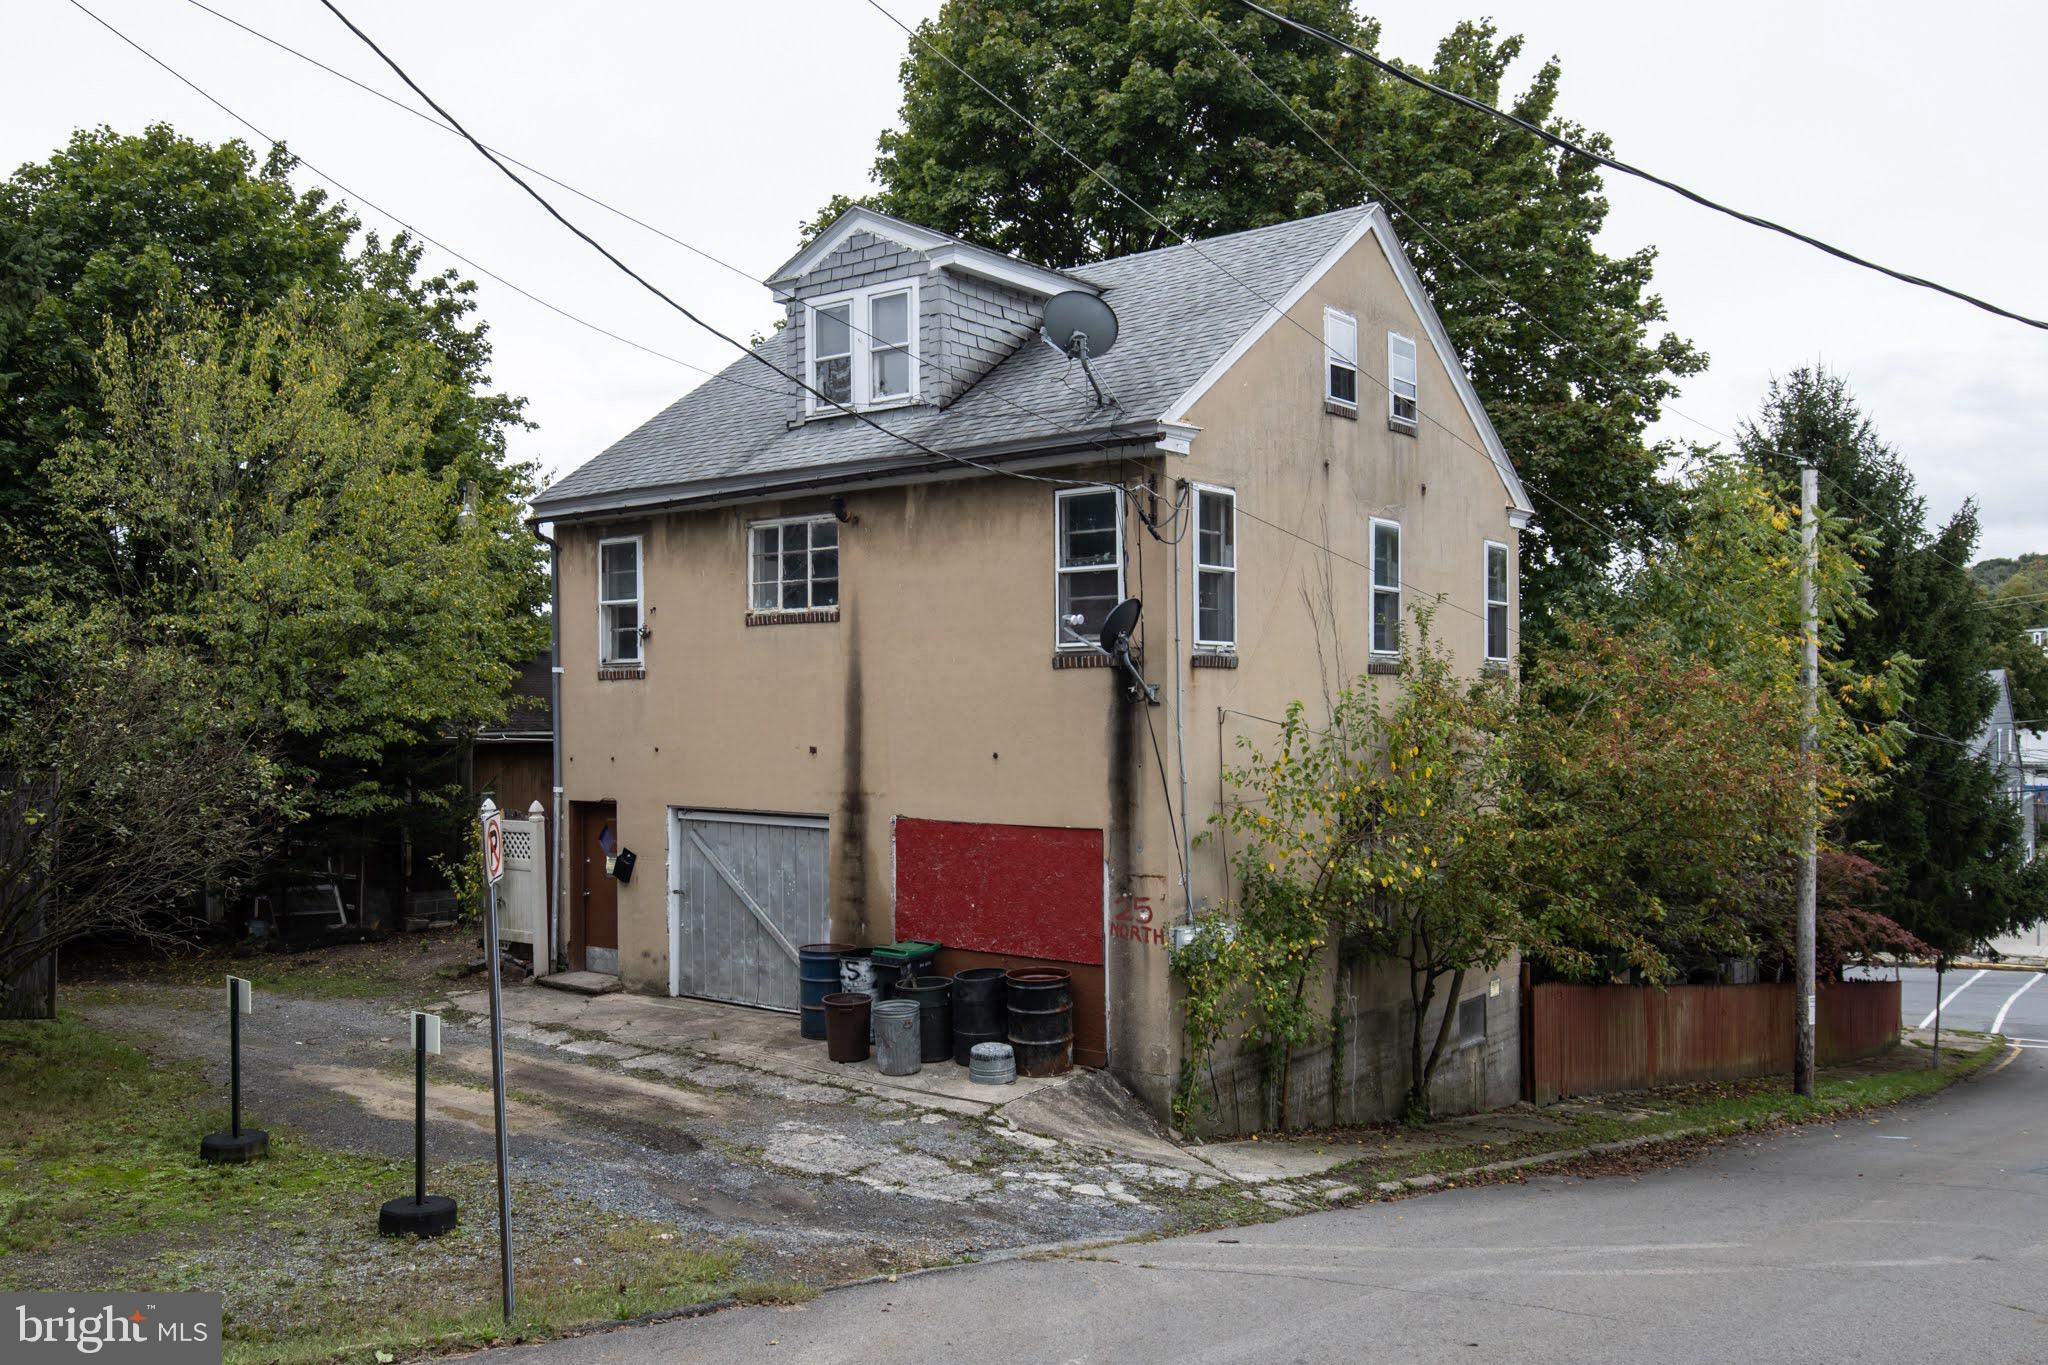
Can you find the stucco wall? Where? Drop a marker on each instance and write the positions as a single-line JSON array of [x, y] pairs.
[[934, 693]]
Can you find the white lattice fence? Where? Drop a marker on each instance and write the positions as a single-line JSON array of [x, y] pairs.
[[523, 892]]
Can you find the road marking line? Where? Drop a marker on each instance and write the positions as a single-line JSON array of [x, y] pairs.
[[1999, 1022], [1952, 997]]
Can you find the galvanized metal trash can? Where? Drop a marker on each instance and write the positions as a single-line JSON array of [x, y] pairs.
[[991, 1064], [897, 1043]]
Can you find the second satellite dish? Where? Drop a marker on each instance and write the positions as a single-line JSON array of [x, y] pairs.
[[1080, 325]]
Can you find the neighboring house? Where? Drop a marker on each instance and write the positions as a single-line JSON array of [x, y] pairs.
[[2039, 635], [1998, 743], [512, 762], [825, 686]]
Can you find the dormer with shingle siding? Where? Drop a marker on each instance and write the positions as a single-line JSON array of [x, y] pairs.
[[884, 314]]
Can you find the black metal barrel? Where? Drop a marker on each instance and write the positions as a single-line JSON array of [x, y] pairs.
[[980, 1011], [933, 995], [817, 977], [1041, 1012]]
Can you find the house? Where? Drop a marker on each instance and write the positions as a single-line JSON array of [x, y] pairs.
[[1997, 742], [832, 677]]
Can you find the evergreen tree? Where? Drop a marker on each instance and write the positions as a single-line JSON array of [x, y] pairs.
[[1946, 835]]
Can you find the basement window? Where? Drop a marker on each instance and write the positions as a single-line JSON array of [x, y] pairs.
[[1472, 1021], [795, 564]]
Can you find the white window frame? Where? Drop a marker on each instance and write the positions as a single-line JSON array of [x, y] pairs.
[[1229, 495], [809, 579], [1377, 589], [605, 633], [1061, 640], [1488, 601], [1333, 358], [1395, 384], [859, 328]]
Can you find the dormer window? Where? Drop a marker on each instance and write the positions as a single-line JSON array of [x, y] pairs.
[[863, 348]]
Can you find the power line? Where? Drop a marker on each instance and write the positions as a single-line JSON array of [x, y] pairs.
[[1562, 143], [782, 296], [1380, 193], [666, 298], [372, 204]]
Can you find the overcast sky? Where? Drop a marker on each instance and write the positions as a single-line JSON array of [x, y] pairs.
[[1910, 135]]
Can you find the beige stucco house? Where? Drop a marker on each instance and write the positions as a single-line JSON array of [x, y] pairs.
[[832, 675]]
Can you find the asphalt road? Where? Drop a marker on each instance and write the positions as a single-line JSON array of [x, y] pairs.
[[1918, 1235], [2009, 1002]]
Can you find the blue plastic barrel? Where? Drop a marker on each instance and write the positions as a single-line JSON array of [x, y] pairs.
[[818, 977]]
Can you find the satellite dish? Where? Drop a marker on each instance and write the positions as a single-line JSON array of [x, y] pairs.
[[1118, 625], [1080, 325]]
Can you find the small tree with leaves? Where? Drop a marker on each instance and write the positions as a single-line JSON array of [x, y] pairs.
[[1379, 834]]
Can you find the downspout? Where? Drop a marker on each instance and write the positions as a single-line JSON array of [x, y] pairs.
[[557, 851], [1180, 715]]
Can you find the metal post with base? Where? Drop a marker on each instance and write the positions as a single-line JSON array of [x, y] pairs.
[[494, 868], [235, 1145], [423, 1215]]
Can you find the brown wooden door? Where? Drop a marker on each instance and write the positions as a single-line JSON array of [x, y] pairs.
[[594, 922]]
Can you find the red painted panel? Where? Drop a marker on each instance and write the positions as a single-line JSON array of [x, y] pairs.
[[1021, 890]]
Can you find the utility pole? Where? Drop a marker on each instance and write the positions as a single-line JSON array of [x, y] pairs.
[[1809, 832]]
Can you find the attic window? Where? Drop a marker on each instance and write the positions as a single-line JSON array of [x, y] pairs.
[[863, 348], [1401, 378], [1340, 358]]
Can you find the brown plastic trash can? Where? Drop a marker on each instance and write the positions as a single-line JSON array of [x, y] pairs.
[[846, 1025]]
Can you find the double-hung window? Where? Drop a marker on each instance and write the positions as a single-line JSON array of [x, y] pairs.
[[1386, 587], [1088, 563], [619, 601], [1496, 601], [1215, 569], [1402, 408], [1340, 358], [795, 564], [863, 348]]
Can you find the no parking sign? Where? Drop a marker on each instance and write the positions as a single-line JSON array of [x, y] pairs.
[[494, 844]]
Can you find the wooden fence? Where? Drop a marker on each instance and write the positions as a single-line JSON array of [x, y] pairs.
[[1581, 1040]]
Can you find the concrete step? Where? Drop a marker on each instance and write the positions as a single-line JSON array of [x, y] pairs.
[[581, 983]]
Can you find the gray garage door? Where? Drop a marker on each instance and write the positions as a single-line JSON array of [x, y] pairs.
[[747, 891]]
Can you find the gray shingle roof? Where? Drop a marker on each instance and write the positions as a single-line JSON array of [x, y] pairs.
[[1179, 311]]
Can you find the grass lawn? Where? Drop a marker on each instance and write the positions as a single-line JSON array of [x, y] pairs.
[[101, 1186], [1706, 1110]]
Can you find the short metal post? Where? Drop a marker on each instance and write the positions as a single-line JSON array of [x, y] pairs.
[[419, 1110], [234, 1062]]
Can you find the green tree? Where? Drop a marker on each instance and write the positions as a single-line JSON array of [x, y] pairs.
[[115, 229], [1142, 92], [1662, 794], [1947, 838], [260, 495], [1377, 834]]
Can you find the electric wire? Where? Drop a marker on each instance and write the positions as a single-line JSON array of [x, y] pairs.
[[659, 293], [1565, 144], [374, 206], [1383, 196], [783, 296]]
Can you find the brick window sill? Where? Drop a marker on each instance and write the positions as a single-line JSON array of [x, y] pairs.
[[1213, 658], [1090, 658], [1337, 407], [793, 618], [621, 672], [1383, 664]]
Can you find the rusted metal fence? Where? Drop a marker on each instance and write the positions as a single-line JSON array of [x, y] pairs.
[[1582, 1040]]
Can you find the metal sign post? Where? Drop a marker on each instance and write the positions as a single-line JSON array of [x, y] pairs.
[[494, 868], [235, 1145]]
